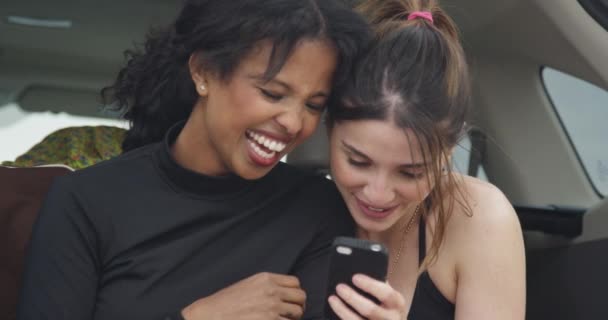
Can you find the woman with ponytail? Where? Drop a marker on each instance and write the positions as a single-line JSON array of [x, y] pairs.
[[198, 219], [455, 243]]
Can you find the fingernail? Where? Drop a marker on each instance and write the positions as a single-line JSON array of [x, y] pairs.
[[358, 278], [341, 288]]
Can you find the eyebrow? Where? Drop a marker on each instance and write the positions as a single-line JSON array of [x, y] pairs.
[[359, 153], [285, 85]]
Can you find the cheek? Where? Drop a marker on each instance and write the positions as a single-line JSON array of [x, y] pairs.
[[245, 100], [414, 190], [344, 175], [243, 110], [310, 123]]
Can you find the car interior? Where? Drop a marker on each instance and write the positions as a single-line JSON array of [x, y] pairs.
[[540, 82]]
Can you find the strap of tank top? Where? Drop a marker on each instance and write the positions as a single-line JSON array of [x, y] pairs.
[[421, 240], [422, 232]]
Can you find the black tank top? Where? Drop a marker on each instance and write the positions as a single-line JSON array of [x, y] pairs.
[[428, 302]]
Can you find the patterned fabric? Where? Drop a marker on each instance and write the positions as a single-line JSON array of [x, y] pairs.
[[76, 147]]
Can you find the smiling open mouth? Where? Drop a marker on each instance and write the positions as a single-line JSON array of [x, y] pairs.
[[265, 148], [374, 212]]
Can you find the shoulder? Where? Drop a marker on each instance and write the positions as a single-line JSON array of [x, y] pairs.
[[107, 179], [125, 165], [98, 195], [490, 229], [486, 207], [489, 255]]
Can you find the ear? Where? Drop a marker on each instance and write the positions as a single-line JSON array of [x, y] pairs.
[[198, 75], [451, 154], [449, 160]]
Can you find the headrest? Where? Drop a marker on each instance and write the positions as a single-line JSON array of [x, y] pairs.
[[313, 153], [22, 191]]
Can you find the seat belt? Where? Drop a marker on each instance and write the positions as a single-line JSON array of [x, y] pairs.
[[478, 151]]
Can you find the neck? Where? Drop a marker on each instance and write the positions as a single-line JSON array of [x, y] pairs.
[[193, 151]]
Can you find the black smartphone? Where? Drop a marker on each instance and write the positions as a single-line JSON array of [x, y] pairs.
[[349, 257]]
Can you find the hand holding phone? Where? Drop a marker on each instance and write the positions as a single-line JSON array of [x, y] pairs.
[[359, 296]]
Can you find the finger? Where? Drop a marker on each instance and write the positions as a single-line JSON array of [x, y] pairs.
[[341, 310], [292, 295], [282, 279], [381, 290], [361, 304], [291, 311]]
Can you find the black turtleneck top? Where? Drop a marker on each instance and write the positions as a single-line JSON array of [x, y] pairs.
[[139, 237]]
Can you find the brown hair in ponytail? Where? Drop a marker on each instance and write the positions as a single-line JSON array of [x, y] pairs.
[[415, 76]]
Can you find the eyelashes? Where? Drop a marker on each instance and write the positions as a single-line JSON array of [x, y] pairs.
[[275, 97], [358, 164], [361, 165], [271, 96]]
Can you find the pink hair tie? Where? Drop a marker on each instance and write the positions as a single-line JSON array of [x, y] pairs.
[[427, 15]]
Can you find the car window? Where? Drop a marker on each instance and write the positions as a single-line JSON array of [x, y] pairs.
[[583, 111], [21, 130]]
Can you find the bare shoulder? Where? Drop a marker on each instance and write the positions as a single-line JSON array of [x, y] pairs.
[[487, 219], [486, 206], [488, 255]]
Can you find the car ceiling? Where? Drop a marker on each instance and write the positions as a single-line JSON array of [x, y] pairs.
[[92, 48], [117, 24], [100, 31]]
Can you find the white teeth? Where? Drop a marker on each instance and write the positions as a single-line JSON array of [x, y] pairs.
[[261, 152], [267, 142], [376, 209]]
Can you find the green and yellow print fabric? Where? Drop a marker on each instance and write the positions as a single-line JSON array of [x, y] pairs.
[[76, 147]]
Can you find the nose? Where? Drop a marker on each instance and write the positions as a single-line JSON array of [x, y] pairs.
[[291, 119], [378, 190]]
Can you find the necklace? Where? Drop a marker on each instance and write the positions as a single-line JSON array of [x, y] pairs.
[[407, 228]]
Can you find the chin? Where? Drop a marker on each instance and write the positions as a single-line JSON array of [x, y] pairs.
[[371, 225]]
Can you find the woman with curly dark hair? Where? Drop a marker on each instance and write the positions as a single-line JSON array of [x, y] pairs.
[[198, 218]]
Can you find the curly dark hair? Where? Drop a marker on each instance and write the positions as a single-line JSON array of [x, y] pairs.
[[154, 90]]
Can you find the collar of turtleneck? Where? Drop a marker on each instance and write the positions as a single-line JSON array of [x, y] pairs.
[[193, 182]]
